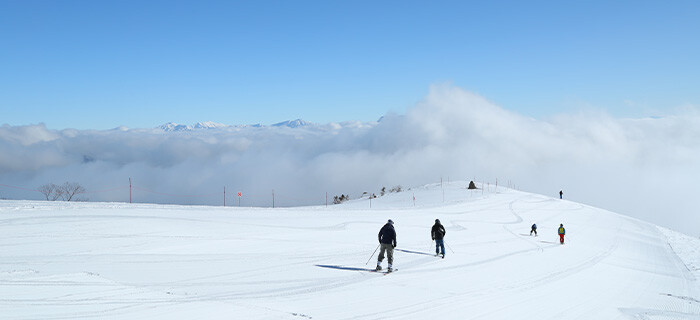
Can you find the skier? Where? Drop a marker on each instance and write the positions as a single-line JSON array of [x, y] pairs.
[[562, 232], [534, 229], [387, 241], [438, 234], [561, 194]]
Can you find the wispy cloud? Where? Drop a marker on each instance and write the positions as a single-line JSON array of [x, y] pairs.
[[640, 167]]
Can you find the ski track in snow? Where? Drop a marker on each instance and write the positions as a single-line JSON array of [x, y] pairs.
[[120, 261]]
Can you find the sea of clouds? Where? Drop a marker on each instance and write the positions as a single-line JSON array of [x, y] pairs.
[[645, 168]]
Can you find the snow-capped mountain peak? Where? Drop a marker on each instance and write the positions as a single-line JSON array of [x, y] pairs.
[[293, 123], [172, 126], [208, 125]]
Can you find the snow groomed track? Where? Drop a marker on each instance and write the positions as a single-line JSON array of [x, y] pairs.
[[121, 261]]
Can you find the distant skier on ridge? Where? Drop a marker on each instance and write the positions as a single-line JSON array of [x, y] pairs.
[[562, 232], [534, 229], [387, 241], [561, 194], [438, 234]]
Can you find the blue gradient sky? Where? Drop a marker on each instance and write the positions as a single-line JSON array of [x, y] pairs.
[[99, 64]]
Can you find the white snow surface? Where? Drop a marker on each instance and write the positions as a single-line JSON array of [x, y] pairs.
[[62, 260]]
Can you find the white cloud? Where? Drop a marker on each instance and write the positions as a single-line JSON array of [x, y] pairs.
[[641, 167], [26, 135]]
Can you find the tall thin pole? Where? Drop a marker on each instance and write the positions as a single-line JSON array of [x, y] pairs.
[[375, 251], [224, 196], [326, 199], [449, 247], [129, 189], [273, 198]]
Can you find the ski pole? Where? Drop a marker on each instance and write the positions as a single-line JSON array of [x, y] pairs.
[[375, 251], [443, 241]]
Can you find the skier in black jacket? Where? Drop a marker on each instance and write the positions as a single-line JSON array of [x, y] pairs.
[[438, 234], [387, 241]]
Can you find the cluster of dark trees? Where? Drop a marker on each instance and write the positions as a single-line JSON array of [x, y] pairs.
[[69, 191], [394, 189], [382, 192], [337, 199]]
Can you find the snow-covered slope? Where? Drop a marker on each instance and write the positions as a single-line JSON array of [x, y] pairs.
[[122, 261]]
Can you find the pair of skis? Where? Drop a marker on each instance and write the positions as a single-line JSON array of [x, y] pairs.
[[385, 272]]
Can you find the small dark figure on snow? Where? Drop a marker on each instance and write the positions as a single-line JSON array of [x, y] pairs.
[[534, 229], [561, 194], [438, 234], [562, 232], [387, 241]]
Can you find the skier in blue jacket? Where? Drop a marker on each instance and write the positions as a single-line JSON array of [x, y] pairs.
[[387, 241]]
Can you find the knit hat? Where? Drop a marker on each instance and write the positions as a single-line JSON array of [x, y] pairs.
[[437, 220], [390, 222]]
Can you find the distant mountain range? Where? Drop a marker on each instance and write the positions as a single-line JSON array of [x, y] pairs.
[[298, 123], [174, 127]]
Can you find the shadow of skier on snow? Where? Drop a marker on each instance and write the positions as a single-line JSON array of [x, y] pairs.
[[416, 252], [343, 268]]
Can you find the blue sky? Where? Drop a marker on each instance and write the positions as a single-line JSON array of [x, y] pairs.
[[99, 64]]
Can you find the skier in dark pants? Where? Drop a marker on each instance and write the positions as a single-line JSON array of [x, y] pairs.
[[534, 229], [562, 232], [438, 234], [561, 194], [387, 241]]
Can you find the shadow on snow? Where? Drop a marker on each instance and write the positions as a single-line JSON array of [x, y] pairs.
[[416, 252], [343, 268]]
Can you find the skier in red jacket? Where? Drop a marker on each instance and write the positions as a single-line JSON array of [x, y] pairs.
[[562, 232]]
